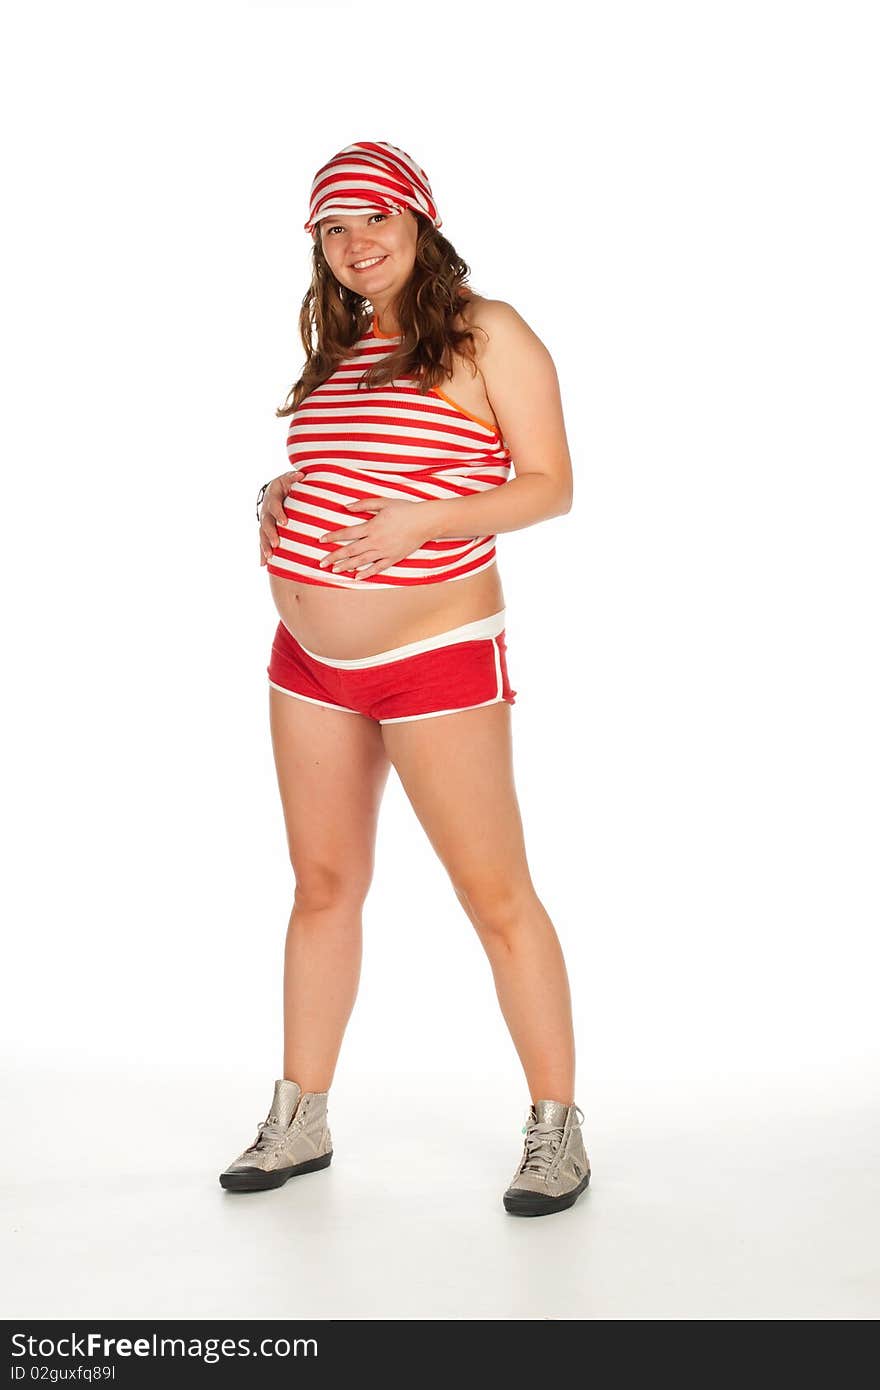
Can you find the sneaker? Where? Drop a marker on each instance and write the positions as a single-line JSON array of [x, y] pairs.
[[294, 1138], [554, 1168]]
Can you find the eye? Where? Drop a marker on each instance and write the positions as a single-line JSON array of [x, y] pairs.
[[381, 215]]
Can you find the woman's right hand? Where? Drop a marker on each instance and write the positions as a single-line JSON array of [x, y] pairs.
[[272, 511]]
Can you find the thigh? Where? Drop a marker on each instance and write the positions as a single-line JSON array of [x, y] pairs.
[[332, 768], [457, 771]]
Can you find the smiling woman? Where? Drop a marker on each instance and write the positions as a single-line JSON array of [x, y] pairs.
[[395, 442], [417, 399], [379, 428]]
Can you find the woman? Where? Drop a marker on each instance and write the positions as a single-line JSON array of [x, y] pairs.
[[403, 430]]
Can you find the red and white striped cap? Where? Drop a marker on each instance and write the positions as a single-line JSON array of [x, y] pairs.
[[370, 176]]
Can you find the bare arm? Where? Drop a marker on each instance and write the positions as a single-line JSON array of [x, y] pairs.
[[523, 388]]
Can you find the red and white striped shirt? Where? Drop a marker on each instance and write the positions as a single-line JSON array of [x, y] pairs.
[[387, 442]]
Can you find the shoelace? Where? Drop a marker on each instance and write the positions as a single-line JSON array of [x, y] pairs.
[[542, 1144], [269, 1132]]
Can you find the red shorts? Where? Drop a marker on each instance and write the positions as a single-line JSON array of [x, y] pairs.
[[462, 668]]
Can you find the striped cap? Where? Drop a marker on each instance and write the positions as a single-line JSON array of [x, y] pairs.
[[370, 176]]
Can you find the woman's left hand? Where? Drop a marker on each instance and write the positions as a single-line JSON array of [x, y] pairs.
[[397, 529]]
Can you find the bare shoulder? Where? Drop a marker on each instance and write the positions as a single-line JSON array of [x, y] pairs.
[[499, 327]]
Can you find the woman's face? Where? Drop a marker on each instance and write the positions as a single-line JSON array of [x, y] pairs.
[[392, 238]]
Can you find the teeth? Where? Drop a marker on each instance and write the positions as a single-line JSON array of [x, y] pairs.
[[360, 265]]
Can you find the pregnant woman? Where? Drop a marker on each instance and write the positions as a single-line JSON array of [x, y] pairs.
[[417, 397]]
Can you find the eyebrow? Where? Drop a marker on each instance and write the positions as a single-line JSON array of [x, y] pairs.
[[343, 217]]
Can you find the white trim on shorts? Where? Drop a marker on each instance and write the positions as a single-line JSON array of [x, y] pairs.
[[499, 688], [400, 719], [326, 704], [481, 627]]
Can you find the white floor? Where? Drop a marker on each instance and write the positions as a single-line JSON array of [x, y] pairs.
[[732, 1200]]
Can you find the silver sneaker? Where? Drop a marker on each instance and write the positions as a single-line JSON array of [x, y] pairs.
[[554, 1168], [294, 1138]]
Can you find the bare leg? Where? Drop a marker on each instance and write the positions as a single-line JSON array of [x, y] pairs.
[[457, 771], [332, 769]]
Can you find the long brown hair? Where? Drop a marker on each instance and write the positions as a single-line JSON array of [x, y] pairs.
[[426, 308]]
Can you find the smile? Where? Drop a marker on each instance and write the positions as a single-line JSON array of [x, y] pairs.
[[368, 265]]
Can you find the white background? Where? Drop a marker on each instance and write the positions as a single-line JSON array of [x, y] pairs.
[[682, 200]]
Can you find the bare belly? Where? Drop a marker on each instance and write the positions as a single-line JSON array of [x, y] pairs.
[[346, 623]]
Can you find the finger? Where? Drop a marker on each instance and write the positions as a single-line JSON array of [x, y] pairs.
[[274, 517], [340, 559], [290, 479], [272, 510], [349, 557], [346, 534], [373, 568], [281, 484], [354, 533], [361, 560]]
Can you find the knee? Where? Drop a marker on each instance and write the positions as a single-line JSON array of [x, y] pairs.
[[496, 905], [324, 887]]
